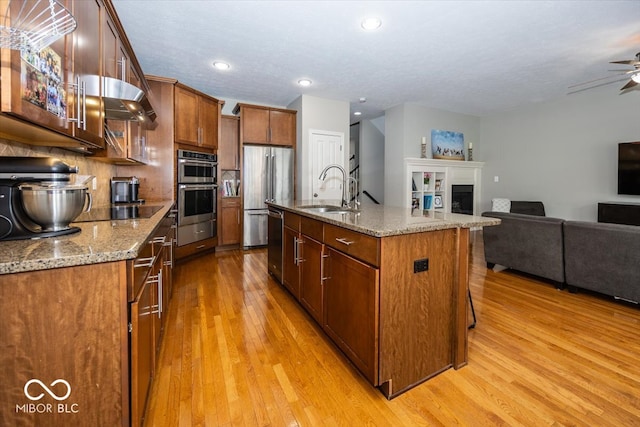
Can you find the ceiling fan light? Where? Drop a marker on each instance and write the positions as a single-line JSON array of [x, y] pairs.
[[636, 77], [221, 65]]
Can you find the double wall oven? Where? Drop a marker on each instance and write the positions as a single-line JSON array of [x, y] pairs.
[[196, 196]]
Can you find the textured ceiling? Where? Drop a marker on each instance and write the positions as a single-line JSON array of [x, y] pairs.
[[471, 57]]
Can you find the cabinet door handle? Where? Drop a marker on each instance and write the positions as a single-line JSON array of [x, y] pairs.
[[84, 105], [344, 241], [322, 276], [160, 293]]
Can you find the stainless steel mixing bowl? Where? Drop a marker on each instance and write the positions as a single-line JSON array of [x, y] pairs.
[[54, 206]]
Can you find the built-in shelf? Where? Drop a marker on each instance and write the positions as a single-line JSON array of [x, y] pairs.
[[230, 183], [429, 182]]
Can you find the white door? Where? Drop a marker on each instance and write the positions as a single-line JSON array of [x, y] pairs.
[[326, 148]]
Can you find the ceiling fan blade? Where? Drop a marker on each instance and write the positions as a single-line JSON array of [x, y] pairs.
[[629, 84], [593, 86], [600, 79], [628, 62]]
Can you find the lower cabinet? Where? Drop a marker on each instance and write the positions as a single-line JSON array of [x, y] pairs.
[[142, 351], [311, 276], [148, 313], [339, 291], [351, 307], [290, 260], [230, 215]]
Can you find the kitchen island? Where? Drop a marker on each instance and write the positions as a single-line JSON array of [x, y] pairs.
[[388, 285], [81, 323]]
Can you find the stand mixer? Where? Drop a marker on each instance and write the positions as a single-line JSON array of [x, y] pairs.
[[52, 209]]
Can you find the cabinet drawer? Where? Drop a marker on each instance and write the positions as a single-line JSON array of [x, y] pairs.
[[292, 221], [358, 245], [230, 202], [311, 228]]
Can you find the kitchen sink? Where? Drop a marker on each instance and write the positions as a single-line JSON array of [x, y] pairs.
[[330, 209]]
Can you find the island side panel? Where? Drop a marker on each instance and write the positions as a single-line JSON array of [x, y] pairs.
[[462, 303], [417, 310], [64, 324]]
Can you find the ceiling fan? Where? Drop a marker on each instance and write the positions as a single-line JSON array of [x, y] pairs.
[[632, 75]]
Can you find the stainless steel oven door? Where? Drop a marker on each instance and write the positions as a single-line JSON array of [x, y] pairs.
[[196, 203], [194, 171]]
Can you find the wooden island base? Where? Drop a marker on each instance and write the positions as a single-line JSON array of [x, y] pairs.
[[395, 303]]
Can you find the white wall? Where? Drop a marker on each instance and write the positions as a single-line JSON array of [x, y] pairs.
[[371, 162], [319, 114], [563, 153], [405, 125]]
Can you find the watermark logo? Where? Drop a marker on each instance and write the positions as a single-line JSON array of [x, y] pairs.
[[36, 390], [47, 389]]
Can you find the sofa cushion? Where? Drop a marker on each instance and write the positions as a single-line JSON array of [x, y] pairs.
[[527, 208], [603, 258], [528, 243]]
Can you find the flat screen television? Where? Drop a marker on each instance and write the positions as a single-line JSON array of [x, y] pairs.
[[629, 168]]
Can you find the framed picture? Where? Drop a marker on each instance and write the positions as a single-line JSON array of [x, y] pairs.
[[437, 201]]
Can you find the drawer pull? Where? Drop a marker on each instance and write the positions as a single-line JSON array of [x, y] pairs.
[[144, 262], [344, 241]]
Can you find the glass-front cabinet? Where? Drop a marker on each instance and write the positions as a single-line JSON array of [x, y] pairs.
[[51, 87]]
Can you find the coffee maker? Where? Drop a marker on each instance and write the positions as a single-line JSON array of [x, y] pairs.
[[15, 223], [124, 189]]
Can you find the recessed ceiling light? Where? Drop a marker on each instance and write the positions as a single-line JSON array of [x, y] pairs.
[[221, 65], [304, 82], [357, 113], [371, 24]]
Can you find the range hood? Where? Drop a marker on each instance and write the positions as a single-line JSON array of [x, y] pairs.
[[122, 100]]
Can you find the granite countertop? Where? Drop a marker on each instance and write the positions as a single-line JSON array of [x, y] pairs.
[[382, 221], [98, 241]]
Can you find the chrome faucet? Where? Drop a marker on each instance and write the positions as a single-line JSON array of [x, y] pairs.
[[323, 176], [356, 202]]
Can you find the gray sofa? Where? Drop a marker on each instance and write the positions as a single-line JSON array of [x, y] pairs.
[[596, 256], [603, 258], [527, 243]]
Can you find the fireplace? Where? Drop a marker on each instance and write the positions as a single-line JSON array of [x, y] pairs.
[[462, 199]]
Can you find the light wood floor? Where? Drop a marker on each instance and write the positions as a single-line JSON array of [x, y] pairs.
[[238, 351]]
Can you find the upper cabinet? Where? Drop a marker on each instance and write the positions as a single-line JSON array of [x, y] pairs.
[[56, 96], [126, 140], [196, 118], [229, 147], [49, 88], [86, 110], [265, 125]]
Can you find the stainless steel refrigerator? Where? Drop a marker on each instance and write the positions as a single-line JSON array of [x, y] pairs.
[[267, 176]]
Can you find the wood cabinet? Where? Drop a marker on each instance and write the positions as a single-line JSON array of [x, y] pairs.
[[230, 218], [311, 263], [196, 118], [89, 119], [290, 265], [125, 141], [340, 292], [265, 125], [142, 349], [152, 282], [229, 144], [49, 88], [351, 301]]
